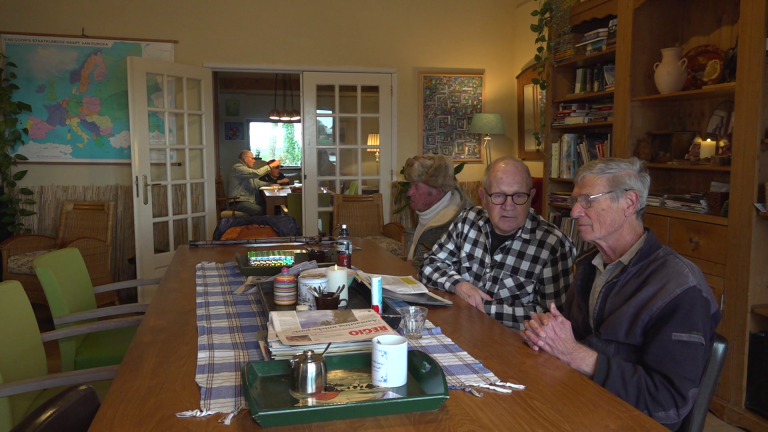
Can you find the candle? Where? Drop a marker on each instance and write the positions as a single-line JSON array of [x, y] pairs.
[[337, 276], [707, 149]]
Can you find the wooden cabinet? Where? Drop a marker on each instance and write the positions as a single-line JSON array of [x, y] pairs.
[[730, 250]]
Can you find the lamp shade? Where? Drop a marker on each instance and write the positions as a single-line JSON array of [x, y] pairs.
[[274, 114], [487, 124], [373, 140]]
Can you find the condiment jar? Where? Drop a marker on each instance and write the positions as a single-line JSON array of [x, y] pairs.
[[308, 373]]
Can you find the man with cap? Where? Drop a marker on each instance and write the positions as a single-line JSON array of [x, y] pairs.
[[435, 199], [503, 258], [244, 183]]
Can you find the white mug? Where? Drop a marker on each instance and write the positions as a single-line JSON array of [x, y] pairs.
[[389, 361]]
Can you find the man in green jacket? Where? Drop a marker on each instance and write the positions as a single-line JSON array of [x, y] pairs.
[[436, 200], [244, 183]]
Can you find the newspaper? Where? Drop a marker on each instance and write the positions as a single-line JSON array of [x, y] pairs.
[[398, 284], [323, 326]]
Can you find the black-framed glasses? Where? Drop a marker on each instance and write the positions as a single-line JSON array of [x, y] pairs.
[[499, 198], [585, 201]]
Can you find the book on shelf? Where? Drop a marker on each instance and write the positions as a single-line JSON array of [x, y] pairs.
[[573, 106], [593, 41], [610, 41], [575, 150], [555, 153], [609, 76], [568, 225]]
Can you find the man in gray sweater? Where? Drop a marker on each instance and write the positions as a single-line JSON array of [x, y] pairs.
[[436, 200], [244, 183]]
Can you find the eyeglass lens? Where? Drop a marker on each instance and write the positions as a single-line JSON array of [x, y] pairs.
[[518, 198]]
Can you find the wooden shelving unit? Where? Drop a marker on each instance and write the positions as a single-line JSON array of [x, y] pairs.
[[727, 90], [689, 167], [586, 96], [584, 125]]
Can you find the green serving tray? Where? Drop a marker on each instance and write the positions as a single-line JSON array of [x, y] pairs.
[[267, 391]]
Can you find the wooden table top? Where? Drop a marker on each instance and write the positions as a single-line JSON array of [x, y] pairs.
[[157, 377]]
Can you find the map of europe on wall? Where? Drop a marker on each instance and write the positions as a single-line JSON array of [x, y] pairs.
[[78, 90]]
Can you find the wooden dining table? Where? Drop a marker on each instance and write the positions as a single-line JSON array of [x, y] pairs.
[[156, 379], [274, 198]]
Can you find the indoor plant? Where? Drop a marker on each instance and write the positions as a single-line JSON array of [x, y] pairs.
[[12, 196]]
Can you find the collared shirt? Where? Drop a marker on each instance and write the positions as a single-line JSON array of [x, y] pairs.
[[604, 274], [526, 273]]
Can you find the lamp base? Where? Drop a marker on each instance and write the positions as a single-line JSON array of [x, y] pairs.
[[487, 145]]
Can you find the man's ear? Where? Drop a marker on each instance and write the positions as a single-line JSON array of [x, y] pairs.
[[483, 196], [533, 194], [631, 202]]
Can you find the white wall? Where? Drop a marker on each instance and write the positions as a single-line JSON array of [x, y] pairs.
[[410, 36]]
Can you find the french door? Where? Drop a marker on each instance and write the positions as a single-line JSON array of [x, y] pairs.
[[347, 123], [172, 159]]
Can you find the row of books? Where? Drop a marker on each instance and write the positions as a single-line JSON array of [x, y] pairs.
[[570, 44], [692, 202], [578, 113], [567, 225], [594, 78], [574, 150]]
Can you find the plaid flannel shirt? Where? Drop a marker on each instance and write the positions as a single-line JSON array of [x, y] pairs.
[[528, 272]]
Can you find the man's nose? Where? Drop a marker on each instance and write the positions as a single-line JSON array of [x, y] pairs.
[[577, 210]]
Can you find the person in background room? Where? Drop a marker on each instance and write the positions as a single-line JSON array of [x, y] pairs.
[[639, 318], [435, 199], [274, 176], [244, 183], [503, 258]]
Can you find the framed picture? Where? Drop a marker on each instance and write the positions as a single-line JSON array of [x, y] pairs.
[[446, 105], [233, 131], [232, 108]]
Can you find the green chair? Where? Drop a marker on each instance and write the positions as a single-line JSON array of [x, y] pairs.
[[295, 204], [24, 379], [72, 299]]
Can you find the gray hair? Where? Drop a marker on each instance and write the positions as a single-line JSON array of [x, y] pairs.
[[620, 174], [501, 160]]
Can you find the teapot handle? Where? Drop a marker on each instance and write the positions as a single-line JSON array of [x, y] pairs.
[[683, 63], [656, 65]]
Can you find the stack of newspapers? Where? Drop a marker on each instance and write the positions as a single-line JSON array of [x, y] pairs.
[[348, 331]]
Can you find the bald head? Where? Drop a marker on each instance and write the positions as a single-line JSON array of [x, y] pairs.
[[247, 158], [506, 166]]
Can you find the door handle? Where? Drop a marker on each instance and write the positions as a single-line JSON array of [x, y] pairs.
[[146, 187]]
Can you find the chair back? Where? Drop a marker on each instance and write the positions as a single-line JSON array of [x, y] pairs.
[[694, 421], [223, 201], [363, 214], [72, 410], [92, 219], [23, 355], [68, 288]]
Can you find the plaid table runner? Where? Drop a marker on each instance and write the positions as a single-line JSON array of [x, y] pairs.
[[227, 325]]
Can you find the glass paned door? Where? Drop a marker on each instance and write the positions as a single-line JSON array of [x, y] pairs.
[[347, 141], [172, 154]]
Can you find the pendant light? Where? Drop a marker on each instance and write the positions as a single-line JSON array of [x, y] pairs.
[[275, 114], [284, 115], [295, 115]]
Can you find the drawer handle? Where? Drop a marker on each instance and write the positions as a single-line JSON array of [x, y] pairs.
[[695, 242]]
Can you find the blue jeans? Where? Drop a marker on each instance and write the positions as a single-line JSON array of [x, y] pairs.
[[249, 208]]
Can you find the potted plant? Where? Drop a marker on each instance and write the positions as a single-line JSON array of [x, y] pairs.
[[11, 135]]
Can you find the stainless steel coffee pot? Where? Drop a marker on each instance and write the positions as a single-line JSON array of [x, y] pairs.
[[308, 373]]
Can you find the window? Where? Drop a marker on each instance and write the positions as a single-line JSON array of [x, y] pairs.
[[276, 140]]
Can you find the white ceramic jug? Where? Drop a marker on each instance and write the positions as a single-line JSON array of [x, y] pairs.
[[670, 72]]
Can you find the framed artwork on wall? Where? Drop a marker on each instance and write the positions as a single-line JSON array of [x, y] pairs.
[[232, 107], [447, 103], [233, 131]]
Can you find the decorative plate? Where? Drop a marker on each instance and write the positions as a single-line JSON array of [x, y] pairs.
[[705, 66]]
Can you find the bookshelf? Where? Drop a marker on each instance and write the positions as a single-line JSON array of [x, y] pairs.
[[728, 249]]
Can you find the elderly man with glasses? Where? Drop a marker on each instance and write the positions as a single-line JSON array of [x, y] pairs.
[[503, 258], [639, 319]]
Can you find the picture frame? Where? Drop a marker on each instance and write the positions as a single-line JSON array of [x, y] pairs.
[[233, 131], [447, 102], [232, 108]]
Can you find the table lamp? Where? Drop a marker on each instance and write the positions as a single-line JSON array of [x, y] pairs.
[[487, 124], [373, 140]]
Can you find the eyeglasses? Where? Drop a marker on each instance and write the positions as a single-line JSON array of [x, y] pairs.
[[499, 198], [585, 201]]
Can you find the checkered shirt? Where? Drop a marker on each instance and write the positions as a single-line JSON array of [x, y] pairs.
[[528, 272]]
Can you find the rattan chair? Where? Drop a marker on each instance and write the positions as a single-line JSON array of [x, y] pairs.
[[85, 225], [364, 217]]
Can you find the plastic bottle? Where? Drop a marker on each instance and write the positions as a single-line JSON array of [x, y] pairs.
[[344, 248], [376, 294]]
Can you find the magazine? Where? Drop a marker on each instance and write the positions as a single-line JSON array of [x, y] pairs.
[[397, 284]]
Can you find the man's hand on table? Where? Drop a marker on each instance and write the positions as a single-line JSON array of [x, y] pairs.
[[551, 332], [472, 295], [284, 181]]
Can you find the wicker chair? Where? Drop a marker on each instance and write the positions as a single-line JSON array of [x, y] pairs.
[[85, 225], [364, 217]]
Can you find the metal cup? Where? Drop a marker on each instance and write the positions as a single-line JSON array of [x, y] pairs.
[[308, 373]]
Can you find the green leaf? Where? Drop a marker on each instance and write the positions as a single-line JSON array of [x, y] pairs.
[[10, 183], [537, 57], [20, 175], [8, 219], [10, 64], [8, 210], [25, 212], [540, 49], [543, 85], [5, 198], [458, 168], [535, 28], [535, 13], [20, 156], [12, 86], [25, 191], [30, 202], [536, 81], [25, 107], [29, 231]]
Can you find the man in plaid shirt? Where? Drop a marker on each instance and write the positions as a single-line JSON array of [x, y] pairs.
[[503, 258]]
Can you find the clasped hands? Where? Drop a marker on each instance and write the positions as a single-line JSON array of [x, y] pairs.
[[552, 332]]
